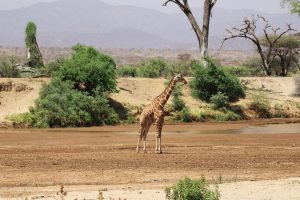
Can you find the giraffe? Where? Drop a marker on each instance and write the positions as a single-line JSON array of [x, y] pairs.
[[154, 113]]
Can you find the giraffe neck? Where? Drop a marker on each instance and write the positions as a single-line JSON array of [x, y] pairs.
[[165, 95]]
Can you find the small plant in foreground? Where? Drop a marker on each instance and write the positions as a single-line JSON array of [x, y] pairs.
[[188, 189]]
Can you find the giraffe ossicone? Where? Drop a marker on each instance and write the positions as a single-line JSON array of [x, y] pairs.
[[154, 113]]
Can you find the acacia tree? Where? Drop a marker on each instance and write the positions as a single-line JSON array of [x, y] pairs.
[[271, 35], [34, 56], [287, 50], [294, 5], [202, 34]]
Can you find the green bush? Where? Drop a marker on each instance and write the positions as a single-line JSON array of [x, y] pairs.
[[261, 105], [53, 67], [188, 189], [90, 70], [152, 68], [60, 105], [77, 95], [23, 120], [219, 115], [219, 101], [240, 71], [127, 71], [210, 80], [8, 67], [177, 103]]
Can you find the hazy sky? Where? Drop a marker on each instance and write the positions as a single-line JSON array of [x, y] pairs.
[[270, 6]]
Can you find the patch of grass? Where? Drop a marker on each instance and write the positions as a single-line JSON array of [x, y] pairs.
[[22, 120], [127, 71], [188, 189], [261, 105], [280, 112]]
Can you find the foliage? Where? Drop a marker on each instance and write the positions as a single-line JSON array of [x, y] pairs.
[[152, 68], [261, 105], [219, 100], [53, 66], [60, 105], [8, 67], [127, 71], [22, 120], [77, 95], [294, 5], [177, 103], [89, 70], [286, 59], [240, 71], [188, 189], [280, 112], [35, 59], [218, 115], [254, 65], [210, 80]]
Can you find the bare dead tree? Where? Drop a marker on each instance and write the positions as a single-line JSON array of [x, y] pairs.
[[271, 34], [202, 34]]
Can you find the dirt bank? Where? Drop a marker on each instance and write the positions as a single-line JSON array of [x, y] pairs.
[[140, 91]]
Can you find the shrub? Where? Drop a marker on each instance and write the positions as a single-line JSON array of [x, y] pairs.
[[127, 71], [53, 66], [177, 103], [60, 105], [8, 67], [90, 70], [261, 105], [152, 68], [210, 80], [22, 120], [188, 189], [185, 115], [280, 112], [220, 115], [77, 95], [240, 71], [219, 100]]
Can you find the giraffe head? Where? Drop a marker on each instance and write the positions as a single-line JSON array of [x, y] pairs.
[[179, 78]]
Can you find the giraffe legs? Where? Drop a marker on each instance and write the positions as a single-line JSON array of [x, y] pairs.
[[143, 136], [159, 124]]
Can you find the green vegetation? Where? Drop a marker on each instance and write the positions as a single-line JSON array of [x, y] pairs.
[[158, 67], [8, 67], [127, 71], [177, 103], [77, 94], [261, 105], [211, 80], [52, 67], [294, 5], [188, 189], [153, 68], [219, 100], [35, 57]]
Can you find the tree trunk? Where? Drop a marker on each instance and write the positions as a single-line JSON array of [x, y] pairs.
[[196, 28], [205, 28]]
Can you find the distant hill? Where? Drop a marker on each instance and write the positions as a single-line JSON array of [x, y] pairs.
[[67, 22]]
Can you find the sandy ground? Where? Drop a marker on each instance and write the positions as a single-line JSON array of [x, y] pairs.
[[247, 190], [105, 157]]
